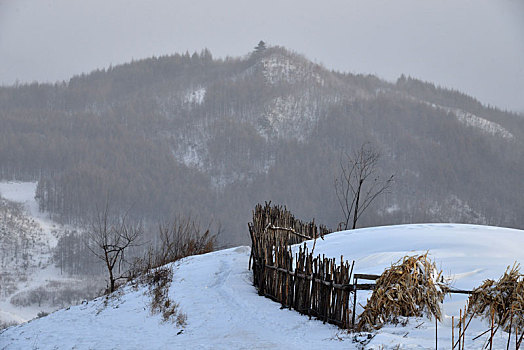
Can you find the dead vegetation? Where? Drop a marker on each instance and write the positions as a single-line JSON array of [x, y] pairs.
[[6, 324], [408, 288], [184, 237], [502, 300], [158, 281], [180, 238]]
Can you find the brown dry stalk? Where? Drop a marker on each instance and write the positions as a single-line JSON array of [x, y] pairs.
[[505, 298], [407, 288]]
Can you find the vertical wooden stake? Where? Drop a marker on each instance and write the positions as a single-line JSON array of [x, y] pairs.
[[436, 333], [464, 329], [492, 321], [452, 332], [460, 328], [517, 339], [354, 300], [510, 325]]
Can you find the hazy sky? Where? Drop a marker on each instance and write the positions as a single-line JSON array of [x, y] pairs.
[[476, 46]]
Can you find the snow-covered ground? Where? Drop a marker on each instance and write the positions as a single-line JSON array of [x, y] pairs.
[[224, 311], [43, 233], [477, 122], [24, 193], [195, 96]]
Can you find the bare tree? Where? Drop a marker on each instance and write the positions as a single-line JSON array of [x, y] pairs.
[[359, 183], [109, 238]]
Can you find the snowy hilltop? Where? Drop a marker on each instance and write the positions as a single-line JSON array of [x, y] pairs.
[[222, 309]]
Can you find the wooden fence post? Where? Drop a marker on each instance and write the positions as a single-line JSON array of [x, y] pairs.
[[355, 280]]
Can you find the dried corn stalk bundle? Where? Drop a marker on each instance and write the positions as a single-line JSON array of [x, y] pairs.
[[408, 288], [504, 298]]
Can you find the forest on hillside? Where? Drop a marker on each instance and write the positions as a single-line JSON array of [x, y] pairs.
[[191, 135]]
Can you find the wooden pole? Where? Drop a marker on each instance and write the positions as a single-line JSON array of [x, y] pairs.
[[492, 320], [510, 325], [452, 332], [520, 341], [460, 328], [462, 336], [464, 327], [355, 280], [436, 333]]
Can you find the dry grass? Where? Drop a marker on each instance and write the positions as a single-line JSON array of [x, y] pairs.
[[159, 281], [6, 324], [178, 239], [505, 298], [408, 288]]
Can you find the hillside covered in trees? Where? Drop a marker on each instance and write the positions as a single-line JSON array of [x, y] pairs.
[[193, 135]]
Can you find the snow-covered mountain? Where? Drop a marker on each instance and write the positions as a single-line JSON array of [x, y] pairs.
[[224, 311], [190, 133]]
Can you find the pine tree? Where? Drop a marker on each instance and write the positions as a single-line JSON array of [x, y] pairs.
[[260, 47]]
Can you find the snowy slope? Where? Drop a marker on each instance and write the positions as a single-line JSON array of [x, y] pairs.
[[24, 193], [477, 122], [42, 233], [224, 312]]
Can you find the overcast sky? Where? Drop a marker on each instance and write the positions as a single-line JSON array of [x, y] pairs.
[[476, 46]]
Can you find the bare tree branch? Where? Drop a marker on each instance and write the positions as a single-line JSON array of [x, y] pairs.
[[110, 236], [358, 184]]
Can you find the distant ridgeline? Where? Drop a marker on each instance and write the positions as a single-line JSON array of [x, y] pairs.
[[212, 137]]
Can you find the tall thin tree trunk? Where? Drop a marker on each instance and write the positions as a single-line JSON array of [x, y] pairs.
[[112, 281], [355, 213]]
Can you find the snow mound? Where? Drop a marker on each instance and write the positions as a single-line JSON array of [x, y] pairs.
[[457, 248]]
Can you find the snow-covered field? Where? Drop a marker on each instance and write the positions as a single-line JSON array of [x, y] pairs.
[[224, 311]]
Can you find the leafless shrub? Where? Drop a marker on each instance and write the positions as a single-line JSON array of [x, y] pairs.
[[42, 314], [4, 325], [184, 237], [178, 239]]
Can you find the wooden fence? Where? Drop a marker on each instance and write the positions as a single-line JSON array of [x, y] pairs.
[[314, 286]]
